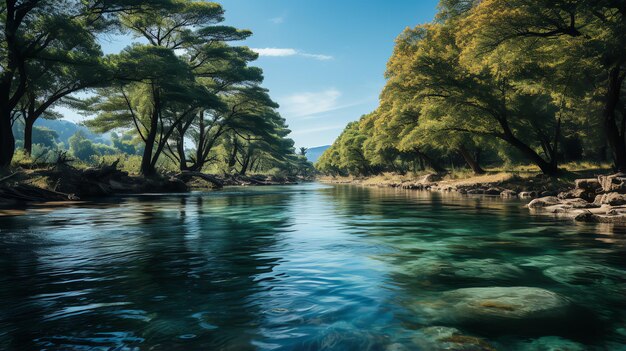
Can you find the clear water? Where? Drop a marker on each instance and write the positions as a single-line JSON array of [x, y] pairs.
[[308, 267]]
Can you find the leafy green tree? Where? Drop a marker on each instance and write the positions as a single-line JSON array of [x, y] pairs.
[[580, 41], [81, 147], [35, 31]]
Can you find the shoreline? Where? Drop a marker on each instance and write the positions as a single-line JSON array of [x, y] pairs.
[[68, 185], [601, 199]]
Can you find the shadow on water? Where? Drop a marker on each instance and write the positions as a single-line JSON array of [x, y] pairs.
[[163, 273], [308, 267]]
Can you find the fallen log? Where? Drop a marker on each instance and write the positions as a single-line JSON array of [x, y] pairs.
[[186, 176], [29, 193]]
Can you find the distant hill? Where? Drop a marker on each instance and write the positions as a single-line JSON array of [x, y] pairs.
[[314, 153], [66, 129]]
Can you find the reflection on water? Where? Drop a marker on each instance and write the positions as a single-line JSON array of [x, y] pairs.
[[308, 267]]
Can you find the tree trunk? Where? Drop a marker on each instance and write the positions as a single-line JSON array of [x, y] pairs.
[[147, 169], [233, 156], [547, 168], [614, 135], [471, 162], [147, 166], [7, 140], [430, 162], [28, 136], [180, 148]]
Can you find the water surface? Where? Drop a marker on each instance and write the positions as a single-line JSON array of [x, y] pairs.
[[307, 267]]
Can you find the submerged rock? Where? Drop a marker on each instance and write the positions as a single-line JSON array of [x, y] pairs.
[[445, 338], [551, 343], [487, 269], [506, 302], [583, 274], [510, 308], [508, 194]]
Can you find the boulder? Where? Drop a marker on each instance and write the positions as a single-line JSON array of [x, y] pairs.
[[548, 193], [592, 185], [551, 343], [613, 183], [613, 199], [578, 194], [543, 202], [446, 338], [493, 191], [586, 216], [508, 194], [527, 194], [431, 178], [579, 203], [493, 305]]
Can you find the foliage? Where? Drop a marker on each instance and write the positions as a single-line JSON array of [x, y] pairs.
[[181, 83], [497, 82]]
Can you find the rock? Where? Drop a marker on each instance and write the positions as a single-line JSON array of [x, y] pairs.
[[584, 274], [551, 343], [578, 194], [579, 203], [487, 269], [476, 192], [591, 185], [431, 178], [613, 199], [493, 191], [445, 338], [548, 193], [613, 183], [508, 194], [543, 202], [527, 194], [493, 305], [586, 216]]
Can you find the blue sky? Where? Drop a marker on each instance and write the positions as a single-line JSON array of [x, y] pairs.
[[324, 60]]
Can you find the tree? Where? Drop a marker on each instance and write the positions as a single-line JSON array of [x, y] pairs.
[[34, 30], [583, 41], [476, 101], [81, 147]]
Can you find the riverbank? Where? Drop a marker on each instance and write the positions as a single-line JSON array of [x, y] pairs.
[[584, 196], [64, 183]]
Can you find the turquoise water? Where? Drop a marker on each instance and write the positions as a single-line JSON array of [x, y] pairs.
[[308, 267]]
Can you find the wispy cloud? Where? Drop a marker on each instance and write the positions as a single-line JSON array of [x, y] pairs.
[[310, 103], [286, 52], [277, 20]]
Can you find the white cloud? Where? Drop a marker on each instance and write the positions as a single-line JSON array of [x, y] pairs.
[[317, 56], [310, 103], [277, 20], [278, 52], [275, 52]]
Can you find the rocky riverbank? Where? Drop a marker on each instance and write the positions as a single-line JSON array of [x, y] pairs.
[[505, 185], [601, 199], [63, 183]]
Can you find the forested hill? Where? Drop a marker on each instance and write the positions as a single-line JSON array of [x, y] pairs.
[[493, 83]]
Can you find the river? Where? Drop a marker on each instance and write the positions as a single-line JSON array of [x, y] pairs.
[[308, 267]]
